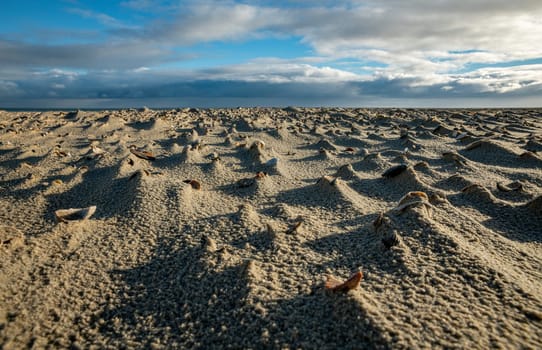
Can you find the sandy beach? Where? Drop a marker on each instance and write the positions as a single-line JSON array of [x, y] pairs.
[[219, 228]]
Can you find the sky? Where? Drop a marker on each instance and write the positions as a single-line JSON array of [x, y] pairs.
[[352, 53]]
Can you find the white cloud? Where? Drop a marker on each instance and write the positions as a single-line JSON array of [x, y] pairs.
[[277, 71], [503, 80], [209, 22]]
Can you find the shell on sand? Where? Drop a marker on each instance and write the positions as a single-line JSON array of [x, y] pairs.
[[143, 154], [194, 183], [413, 198], [394, 171], [260, 175], [336, 285], [414, 195], [97, 151], [75, 214]]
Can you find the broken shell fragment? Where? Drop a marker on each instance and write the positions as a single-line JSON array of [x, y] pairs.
[[394, 171], [75, 214], [97, 151], [143, 154], [352, 282], [194, 183], [414, 195], [412, 199], [260, 175], [60, 153]]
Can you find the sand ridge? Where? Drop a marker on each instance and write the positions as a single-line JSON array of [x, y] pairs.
[[218, 228]]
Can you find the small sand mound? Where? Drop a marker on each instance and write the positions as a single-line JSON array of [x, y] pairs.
[[256, 151], [216, 167], [443, 130], [326, 145], [244, 125], [283, 211], [371, 162], [487, 150], [335, 190], [73, 116], [248, 216], [454, 157], [413, 208], [407, 180], [280, 133], [191, 155], [276, 166], [455, 182], [155, 124], [479, 193], [346, 172], [259, 185], [414, 199], [328, 183]]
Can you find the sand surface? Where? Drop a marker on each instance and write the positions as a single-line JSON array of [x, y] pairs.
[[218, 228]]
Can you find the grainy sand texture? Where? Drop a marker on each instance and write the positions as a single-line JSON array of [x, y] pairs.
[[219, 229]]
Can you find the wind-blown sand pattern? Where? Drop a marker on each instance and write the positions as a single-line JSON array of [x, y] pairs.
[[220, 228]]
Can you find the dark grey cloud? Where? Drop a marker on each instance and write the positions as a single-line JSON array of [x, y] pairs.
[[107, 89], [107, 55]]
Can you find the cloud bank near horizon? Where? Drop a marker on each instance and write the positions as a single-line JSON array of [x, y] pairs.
[[301, 52]]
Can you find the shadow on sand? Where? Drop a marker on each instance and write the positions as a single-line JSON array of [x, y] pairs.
[[188, 297]]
